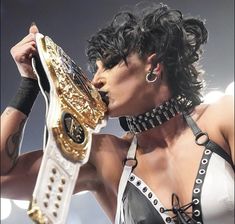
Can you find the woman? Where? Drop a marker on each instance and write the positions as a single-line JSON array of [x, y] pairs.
[[175, 164]]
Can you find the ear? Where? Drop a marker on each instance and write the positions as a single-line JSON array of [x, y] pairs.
[[151, 63], [151, 60]]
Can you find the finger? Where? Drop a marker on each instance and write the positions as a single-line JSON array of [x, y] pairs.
[[29, 38], [21, 52], [33, 28], [28, 49]]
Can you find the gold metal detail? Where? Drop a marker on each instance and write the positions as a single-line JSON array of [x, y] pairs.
[[35, 213], [78, 99]]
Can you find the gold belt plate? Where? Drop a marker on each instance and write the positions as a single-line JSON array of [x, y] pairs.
[[81, 108]]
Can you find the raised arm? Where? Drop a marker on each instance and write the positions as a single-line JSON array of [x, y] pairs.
[[19, 173], [14, 117]]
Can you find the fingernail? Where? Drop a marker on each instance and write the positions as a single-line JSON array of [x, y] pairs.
[[33, 24]]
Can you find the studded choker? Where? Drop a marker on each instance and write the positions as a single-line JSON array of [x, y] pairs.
[[151, 119]]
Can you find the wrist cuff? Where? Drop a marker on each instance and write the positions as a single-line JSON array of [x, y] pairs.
[[25, 96]]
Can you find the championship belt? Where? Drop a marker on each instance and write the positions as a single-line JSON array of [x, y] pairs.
[[74, 110]]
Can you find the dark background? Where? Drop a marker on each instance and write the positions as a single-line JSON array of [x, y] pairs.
[[70, 23]]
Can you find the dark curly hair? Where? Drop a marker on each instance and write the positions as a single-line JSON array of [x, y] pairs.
[[175, 40]]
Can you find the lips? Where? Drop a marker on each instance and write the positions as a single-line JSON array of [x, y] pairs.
[[104, 97]]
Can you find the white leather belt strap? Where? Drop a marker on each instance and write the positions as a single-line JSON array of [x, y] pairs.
[[55, 185]]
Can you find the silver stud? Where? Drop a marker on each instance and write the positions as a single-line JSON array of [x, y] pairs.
[[202, 171], [168, 219], [159, 120], [177, 108], [207, 151], [144, 189], [198, 181], [138, 127], [150, 194], [197, 213], [144, 125], [196, 190], [132, 178], [195, 201], [166, 115], [172, 112], [155, 201], [151, 122]]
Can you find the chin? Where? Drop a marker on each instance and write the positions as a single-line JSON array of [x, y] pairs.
[[114, 111], [117, 112]]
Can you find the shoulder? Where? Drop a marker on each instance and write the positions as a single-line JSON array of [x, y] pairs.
[[220, 111], [225, 104], [103, 141], [217, 119], [106, 146]]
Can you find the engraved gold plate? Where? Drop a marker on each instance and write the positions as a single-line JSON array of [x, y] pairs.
[[74, 111], [78, 99]]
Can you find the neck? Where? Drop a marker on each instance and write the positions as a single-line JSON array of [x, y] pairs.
[[162, 136]]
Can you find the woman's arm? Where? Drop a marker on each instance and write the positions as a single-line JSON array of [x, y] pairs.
[[12, 125], [14, 117]]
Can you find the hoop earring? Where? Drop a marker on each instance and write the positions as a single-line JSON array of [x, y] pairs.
[[151, 77]]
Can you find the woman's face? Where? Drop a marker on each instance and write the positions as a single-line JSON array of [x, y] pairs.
[[126, 87]]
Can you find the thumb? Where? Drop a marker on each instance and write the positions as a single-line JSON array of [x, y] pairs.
[[33, 28]]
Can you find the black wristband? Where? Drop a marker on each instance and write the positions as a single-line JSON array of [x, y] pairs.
[[25, 96]]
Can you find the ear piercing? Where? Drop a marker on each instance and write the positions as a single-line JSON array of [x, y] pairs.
[[151, 76]]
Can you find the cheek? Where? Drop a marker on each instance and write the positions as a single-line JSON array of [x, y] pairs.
[[128, 87], [127, 96]]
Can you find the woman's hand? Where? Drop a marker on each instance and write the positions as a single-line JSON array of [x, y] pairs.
[[23, 52]]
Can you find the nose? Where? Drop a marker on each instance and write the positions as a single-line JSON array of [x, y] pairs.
[[98, 81]]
